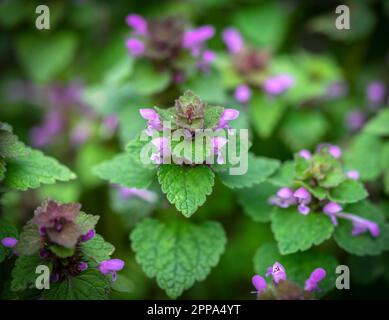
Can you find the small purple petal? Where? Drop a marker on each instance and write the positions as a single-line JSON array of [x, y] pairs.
[[306, 154], [278, 84], [9, 242], [278, 272], [353, 174], [233, 40], [242, 93], [285, 193], [135, 46], [335, 151], [138, 23], [332, 207], [86, 237], [259, 283], [227, 115], [82, 266], [375, 92], [194, 39], [303, 196], [303, 209], [311, 284], [110, 266]]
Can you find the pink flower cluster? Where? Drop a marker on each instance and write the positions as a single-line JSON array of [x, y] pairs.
[[278, 273], [193, 40]]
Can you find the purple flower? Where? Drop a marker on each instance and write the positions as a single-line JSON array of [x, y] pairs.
[[331, 209], [218, 143], [137, 23], [278, 84], [233, 40], [144, 194], [306, 154], [135, 46], [163, 150], [332, 149], [111, 266], [242, 93], [355, 120], [283, 199], [353, 174], [82, 266], [194, 39], [360, 225], [375, 92], [227, 115], [9, 242], [154, 122], [259, 283], [311, 284], [277, 271], [335, 151], [303, 198], [89, 235]]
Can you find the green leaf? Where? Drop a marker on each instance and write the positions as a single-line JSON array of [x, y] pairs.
[[179, 253], [10, 146], [379, 124], [303, 130], [364, 155], [88, 285], [97, 249], [385, 166], [208, 86], [34, 169], [61, 252], [212, 116], [44, 55], [270, 17], [258, 169], [298, 266], [23, 274], [186, 187], [363, 244], [6, 230], [126, 171], [123, 284], [30, 240], [348, 191], [266, 113], [296, 232], [254, 201], [146, 80], [2, 169], [284, 176], [86, 222]]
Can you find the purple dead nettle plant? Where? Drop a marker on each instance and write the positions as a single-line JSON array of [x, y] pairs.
[[187, 119], [282, 288], [306, 202], [251, 64], [59, 234], [168, 43], [375, 94], [63, 104]]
